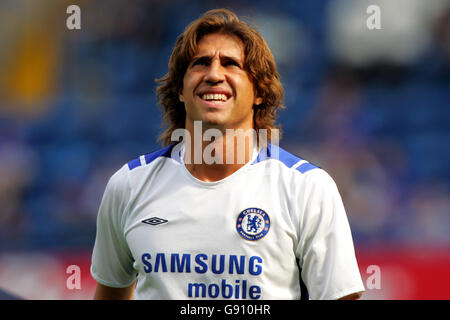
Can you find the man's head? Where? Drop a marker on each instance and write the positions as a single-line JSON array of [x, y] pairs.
[[218, 52]]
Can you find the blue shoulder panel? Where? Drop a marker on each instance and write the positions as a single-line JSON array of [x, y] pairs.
[[134, 163], [285, 157], [306, 167], [165, 152]]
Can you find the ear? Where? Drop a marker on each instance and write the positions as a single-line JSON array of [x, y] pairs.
[[258, 101], [180, 95]]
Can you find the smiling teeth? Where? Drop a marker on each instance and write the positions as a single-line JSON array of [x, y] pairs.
[[214, 97]]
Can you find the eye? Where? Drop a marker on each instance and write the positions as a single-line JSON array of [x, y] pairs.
[[200, 62], [231, 63]]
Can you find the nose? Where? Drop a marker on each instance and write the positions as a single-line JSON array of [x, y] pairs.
[[215, 73]]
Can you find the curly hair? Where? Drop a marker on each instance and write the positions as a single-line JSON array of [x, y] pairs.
[[259, 63]]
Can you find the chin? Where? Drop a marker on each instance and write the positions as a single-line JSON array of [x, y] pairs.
[[213, 121]]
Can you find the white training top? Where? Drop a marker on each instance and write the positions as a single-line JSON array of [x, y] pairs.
[[274, 229]]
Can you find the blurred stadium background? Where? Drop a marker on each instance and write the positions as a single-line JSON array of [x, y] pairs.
[[369, 106]]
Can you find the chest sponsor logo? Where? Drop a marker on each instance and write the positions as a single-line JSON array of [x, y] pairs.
[[253, 224], [154, 221]]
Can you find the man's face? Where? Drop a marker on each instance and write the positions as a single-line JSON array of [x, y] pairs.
[[216, 88]]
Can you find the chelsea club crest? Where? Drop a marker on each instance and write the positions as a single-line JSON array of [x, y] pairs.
[[253, 224]]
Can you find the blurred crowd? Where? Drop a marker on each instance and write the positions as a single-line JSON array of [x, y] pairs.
[[369, 106]]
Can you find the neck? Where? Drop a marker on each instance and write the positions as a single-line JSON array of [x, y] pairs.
[[223, 153]]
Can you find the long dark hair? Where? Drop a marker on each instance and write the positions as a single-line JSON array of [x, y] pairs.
[[259, 63]]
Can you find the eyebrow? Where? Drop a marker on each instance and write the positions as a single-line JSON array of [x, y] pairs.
[[223, 59]]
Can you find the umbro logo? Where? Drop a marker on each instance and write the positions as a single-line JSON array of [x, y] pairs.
[[154, 221]]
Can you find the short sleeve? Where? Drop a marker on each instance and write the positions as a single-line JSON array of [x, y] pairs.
[[112, 261], [325, 250]]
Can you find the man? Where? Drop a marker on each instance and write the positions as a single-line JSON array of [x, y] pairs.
[[255, 222]]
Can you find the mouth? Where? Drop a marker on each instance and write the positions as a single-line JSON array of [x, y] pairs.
[[214, 98]]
